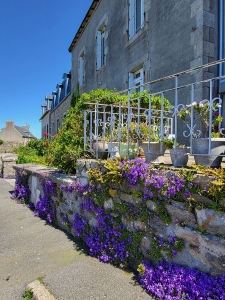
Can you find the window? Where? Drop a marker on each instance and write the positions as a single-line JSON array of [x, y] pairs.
[[81, 69], [136, 79], [57, 125], [136, 16], [100, 48]]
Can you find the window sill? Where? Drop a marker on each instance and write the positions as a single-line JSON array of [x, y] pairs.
[[101, 69], [135, 36]]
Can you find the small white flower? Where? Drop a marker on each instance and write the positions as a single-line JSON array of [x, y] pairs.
[[192, 104]]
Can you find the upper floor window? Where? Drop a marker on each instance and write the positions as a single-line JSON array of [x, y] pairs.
[[100, 48], [136, 80], [136, 16], [81, 69]]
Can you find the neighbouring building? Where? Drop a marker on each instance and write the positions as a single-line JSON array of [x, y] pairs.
[[131, 43], [55, 107], [13, 133]]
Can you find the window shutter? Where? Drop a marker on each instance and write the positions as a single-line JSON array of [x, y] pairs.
[[131, 81], [99, 50], [142, 13], [81, 70], [131, 18]]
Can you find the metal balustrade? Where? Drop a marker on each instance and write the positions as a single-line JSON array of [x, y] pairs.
[[197, 102]]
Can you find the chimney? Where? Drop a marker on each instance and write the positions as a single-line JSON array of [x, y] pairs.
[[9, 123]]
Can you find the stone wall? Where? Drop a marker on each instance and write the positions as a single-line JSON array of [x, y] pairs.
[[202, 230], [7, 163], [8, 146]]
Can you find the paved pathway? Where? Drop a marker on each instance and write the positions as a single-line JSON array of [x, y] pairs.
[[30, 249]]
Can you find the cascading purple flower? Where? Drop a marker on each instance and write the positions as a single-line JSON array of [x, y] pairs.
[[45, 207], [21, 189], [135, 170], [173, 282]]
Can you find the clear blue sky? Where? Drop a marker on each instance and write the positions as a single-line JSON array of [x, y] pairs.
[[34, 39]]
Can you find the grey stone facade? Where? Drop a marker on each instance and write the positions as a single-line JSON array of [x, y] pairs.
[[175, 36]]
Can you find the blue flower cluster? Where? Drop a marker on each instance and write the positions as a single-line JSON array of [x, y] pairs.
[[173, 282], [107, 240], [135, 171], [155, 184], [21, 190], [45, 208]]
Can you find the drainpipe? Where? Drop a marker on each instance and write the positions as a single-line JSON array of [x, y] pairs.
[[221, 56], [221, 35]]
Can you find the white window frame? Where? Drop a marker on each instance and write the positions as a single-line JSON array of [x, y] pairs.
[[101, 37], [133, 17], [136, 80], [81, 69]]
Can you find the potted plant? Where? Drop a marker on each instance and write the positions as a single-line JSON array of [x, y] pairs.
[[207, 147], [118, 144], [149, 143], [178, 154], [100, 147]]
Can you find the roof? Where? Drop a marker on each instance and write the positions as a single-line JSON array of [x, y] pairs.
[[45, 114], [84, 23], [24, 131]]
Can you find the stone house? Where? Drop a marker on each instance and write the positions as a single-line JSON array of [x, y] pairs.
[[55, 107], [130, 43], [13, 133]]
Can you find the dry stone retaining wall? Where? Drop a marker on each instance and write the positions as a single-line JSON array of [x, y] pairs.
[[203, 230]]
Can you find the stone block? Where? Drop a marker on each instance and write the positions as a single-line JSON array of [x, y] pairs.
[[199, 61], [201, 33], [191, 258], [139, 225], [189, 236], [94, 164], [181, 215], [208, 19], [129, 225], [80, 165], [200, 198], [203, 180], [130, 199], [211, 221], [92, 222], [208, 49], [76, 207], [196, 7], [108, 205], [82, 180], [151, 205]]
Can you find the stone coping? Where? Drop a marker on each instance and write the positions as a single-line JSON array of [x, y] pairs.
[[8, 157], [53, 174]]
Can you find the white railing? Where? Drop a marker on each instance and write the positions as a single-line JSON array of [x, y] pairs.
[[196, 112]]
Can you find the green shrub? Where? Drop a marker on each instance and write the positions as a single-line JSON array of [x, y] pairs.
[[67, 146], [1, 142], [28, 155]]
